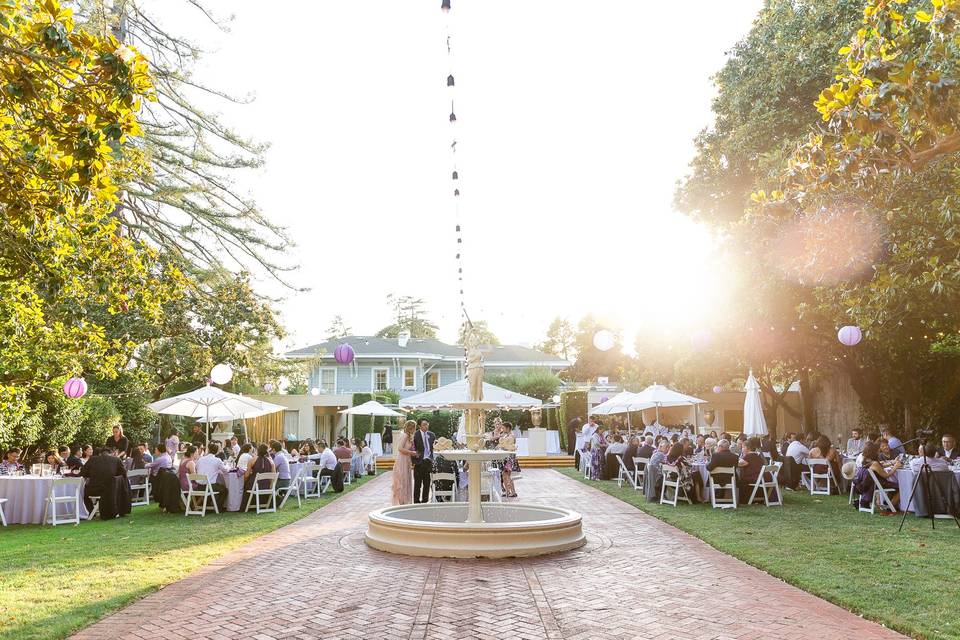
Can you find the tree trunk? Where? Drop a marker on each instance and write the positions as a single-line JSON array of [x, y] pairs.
[[808, 396]]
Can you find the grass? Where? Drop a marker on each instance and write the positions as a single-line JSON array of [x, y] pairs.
[[54, 581], [906, 581]]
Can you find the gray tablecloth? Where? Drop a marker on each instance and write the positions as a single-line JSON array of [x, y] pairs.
[[26, 496], [905, 478]]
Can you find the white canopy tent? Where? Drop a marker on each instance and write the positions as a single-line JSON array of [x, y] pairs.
[[754, 424], [213, 404], [446, 396], [658, 395]]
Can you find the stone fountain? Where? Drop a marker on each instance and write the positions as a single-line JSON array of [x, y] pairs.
[[472, 529]]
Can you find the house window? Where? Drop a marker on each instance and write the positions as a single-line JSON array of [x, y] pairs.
[[431, 380], [409, 378], [328, 380], [381, 378]]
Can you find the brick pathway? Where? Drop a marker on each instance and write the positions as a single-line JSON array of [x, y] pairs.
[[636, 578]]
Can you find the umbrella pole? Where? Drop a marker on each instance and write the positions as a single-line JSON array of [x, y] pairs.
[[208, 426]]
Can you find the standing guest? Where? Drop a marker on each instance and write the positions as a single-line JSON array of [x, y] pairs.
[[246, 455], [11, 462], [366, 458], [160, 461], [590, 429], [855, 443], [135, 461], [896, 446], [234, 446], [281, 463], [386, 438], [119, 442], [330, 466], [172, 444], [948, 449], [100, 470], [751, 466], [196, 435], [402, 485], [187, 466], [74, 463], [356, 458], [214, 468], [572, 427], [423, 441]]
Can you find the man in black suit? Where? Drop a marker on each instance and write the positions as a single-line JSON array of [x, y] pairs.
[[721, 459], [949, 449], [646, 449], [423, 461], [102, 467]]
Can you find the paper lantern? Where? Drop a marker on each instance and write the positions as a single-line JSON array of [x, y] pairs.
[[75, 387], [717, 389], [343, 354], [445, 6], [849, 335], [221, 373], [556, 399], [508, 395], [268, 387], [604, 399], [701, 340], [604, 340], [315, 391]]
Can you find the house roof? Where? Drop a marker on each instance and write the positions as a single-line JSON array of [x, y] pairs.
[[372, 346]]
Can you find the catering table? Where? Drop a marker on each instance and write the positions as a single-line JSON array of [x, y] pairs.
[[553, 442], [523, 446], [26, 496], [376, 443], [905, 479]]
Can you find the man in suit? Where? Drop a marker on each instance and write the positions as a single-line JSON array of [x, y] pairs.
[[572, 427], [646, 450], [949, 449], [422, 462], [102, 467], [721, 459]]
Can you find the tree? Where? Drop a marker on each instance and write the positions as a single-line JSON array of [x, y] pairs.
[[338, 328], [480, 329], [536, 383], [591, 362], [560, 340], [409, 313]]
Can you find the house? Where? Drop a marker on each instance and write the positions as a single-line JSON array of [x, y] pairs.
[[409, 365]]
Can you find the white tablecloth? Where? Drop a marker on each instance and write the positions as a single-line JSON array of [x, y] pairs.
[[375, 442], [580, 441], [523, 448], [234, 484], [553, 441], [26, 496], [905, 479]]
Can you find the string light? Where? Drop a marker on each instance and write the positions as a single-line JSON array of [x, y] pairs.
[[455, 175]]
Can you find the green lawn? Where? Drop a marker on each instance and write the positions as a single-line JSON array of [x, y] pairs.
[[54, 581], [907, 581]]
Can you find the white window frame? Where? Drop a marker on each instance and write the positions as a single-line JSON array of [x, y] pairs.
[[373, 378], [320, 379], [403, 379], [426, 385]]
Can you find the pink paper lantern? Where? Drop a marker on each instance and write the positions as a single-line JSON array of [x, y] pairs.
[[850, 335], [75, 387], [717, 389], [508, 395], [343, 354], [604, 399]]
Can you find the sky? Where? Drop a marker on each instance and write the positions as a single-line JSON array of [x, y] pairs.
[[574, 122]]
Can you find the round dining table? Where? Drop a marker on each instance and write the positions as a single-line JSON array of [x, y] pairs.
[[27, 495]]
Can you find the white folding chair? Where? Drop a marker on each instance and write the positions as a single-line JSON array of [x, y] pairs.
[[139, 487], [819, 484], [450, 493], [270, 492], [762, 484], [199, 493], [490, 485], [293, 487], [626, 474], [881, 496], [671, 480], [640, 470], [308, 480], [345, 465], [719, 502], [3, 518], [74, 487], [585, 463]]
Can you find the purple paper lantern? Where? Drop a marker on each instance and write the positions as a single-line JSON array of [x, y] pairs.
[[268, 387], [604, 399], [343, 354], [717, 389], [508, 395], [75, 387], [701, 340], [850, 335]]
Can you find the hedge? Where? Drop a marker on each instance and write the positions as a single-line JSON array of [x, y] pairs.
[[572, 404]]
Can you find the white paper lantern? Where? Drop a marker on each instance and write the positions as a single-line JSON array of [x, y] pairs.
[[315, 391], [221, 373], [604, 340], [556, 398]]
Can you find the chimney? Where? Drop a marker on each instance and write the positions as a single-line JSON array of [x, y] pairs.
[[403, 338]]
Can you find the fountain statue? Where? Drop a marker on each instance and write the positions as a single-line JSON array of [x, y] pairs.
[[490, 530]]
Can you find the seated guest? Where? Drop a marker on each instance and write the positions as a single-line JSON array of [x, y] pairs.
[[896, 446], [736, 446], [63, 452], [886, 474], [74, 463], [824, 450], [281, 464], [56, 465], [690, 479], [631, 453], [751, 466], [342, 451], [646, 448], [356, 459], [100, 470], [768, 446], [948, 450], [615, 448], [246, 455], [366, 458], [700, 446], [11, 462], [930, 451], [145, 452], [135, 461], [161, 461], [86, 452], [312, 453], [221, 452], [214, 468], [886, 452], [187, 466], [293, 455], [797, 449], [329, 466], [790, 437], [722, 459], [855, 443], [262, 462]]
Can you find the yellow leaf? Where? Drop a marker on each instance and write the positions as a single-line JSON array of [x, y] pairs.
[[844, 50], [923, 16]]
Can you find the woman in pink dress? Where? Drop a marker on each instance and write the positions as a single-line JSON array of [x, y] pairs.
[[402, 479]]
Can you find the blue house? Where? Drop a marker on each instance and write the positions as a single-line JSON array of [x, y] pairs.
[[409, 365]]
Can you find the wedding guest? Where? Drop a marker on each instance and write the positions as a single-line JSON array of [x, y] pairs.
[[11, 462], [330, 466], [100, 470], [135, 461], [234, 446], [262, 462], [161, 461], [246, 455], [886, 475], [366, 458], [74, 463], [886, 451], [86, 452], [63, 452], [855, 443], [172, 444], [713, 434], [631, 453], [722, 459], [936, 463], [356, 458], [824, 450], [798, 450], [948, 449], [690, 480], [56, 465], [896, 446], [145, 452], [214, 468], [751, 466], [700, 445], [197, 436], [646, 448], [187, 466], [281, 463], [342, 451], [769, 447], [386, 438]]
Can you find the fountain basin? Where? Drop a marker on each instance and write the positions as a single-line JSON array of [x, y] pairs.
[[509, 530]]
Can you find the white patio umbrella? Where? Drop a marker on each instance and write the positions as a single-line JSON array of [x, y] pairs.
[[213, 402], [616, 404], [657, 395], [443, 397], [372, 408], [754, 423]]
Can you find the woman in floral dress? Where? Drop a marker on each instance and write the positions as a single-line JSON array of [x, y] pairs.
[[402, 466]]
